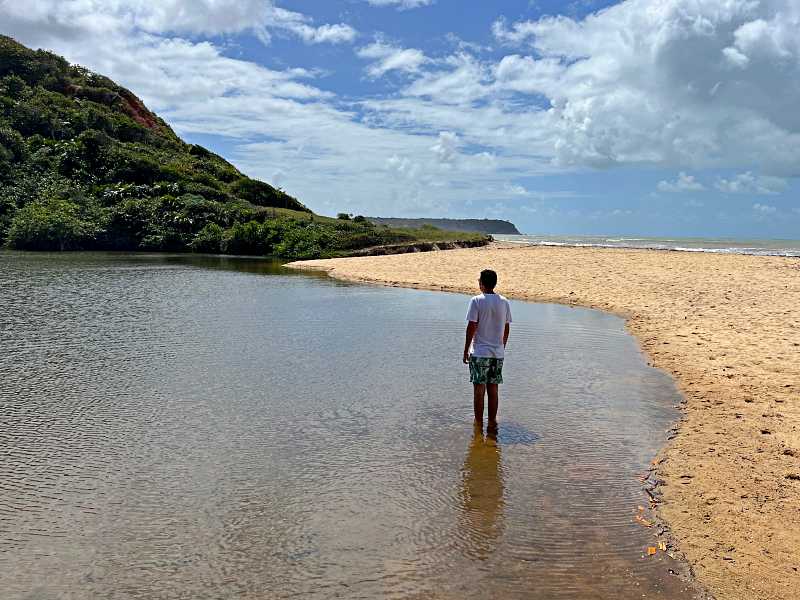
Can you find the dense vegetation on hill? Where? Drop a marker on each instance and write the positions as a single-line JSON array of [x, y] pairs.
[[475, 225], [85, 165]]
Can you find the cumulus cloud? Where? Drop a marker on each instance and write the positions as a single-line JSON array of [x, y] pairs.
[[401, 4], [684, 183], [388, 57], [643, 82], [748, 183], [446, 147], [672, 82]]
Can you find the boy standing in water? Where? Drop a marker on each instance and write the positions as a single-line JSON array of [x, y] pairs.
[[488, 320]]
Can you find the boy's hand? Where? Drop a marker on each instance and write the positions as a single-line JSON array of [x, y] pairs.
[[472, 326]]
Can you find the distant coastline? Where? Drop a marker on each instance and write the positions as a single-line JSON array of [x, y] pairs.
[[488, 226]]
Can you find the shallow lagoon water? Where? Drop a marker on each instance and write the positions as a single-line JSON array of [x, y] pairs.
[[202, 427]]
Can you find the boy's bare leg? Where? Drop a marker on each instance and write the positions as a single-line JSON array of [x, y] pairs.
[[493, 401], [478, 390]]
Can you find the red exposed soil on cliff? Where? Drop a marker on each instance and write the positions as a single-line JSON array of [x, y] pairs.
[[138, 111], [128, 103]]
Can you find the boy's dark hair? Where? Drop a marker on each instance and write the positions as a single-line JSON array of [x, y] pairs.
[[488, 279]]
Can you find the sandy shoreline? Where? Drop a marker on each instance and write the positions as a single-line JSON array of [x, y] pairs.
[[728, 328]]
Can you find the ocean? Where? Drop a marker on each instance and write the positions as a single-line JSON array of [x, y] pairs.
[[714, 245]]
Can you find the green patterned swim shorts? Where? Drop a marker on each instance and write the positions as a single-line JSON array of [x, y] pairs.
[[484, 370]]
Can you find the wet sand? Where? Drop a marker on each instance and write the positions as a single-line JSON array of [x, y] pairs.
[[727, 327]]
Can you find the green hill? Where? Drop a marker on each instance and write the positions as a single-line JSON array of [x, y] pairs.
[[84, 165]]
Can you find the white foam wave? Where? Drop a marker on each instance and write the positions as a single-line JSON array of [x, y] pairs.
[[791, 250]]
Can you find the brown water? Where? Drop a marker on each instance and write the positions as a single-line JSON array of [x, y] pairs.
[[187, 427]]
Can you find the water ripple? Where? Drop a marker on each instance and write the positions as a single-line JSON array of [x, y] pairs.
[[176, 427]]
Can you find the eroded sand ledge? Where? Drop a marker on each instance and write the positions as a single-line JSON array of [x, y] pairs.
[[728, 328]]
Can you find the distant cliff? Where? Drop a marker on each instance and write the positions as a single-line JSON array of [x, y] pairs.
[[477, 225]]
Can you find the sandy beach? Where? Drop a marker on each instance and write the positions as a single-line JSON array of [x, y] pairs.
[[727, 327]]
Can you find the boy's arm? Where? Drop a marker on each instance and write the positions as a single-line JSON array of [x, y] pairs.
[[507, 329], [471, 327]]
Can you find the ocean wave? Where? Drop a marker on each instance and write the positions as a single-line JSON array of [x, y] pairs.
[[791, 250]]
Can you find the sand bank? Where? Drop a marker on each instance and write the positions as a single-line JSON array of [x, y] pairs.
[[728, 328]]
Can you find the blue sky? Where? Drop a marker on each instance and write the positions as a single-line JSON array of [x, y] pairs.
[[643, 117]]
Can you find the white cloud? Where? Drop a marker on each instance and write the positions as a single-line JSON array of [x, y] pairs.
[[735, 57], [463, 80], [670, 82], [171, 74], [301, 26], [404, 166], [516, 190], [446, 146], [210, 17], [401, 4], [747, 183], [684, 183], [518, 33], [764, 209], [526, 74], [388, 57]]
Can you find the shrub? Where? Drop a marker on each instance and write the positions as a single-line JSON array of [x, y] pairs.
[[29, 186], [51, 225], [14, 86], [131, 221], [12, 145], [343, 216], [244, 238], [208, 239], [306, 242], [200, 211], [196, 150], [83, 158], [208, 192], [133, 167], [7, 210], [263, 194]]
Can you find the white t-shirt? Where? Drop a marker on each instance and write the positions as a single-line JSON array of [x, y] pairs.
[[491, 312]]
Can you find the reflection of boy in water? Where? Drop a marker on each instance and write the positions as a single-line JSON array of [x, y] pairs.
[[488, 320], [482, 496]]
